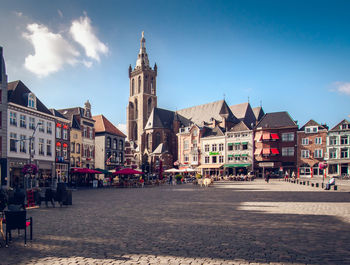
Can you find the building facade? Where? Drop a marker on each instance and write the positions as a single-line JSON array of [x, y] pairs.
[[3, 122], [275, 143], [109, 144], [311, 149], [31, 136], [76, 142], [338, 149]]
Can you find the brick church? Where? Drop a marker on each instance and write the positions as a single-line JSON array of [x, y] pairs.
[[152, 131]]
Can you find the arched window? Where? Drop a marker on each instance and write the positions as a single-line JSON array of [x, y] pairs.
[[139, 87], [150, 142], [146, 85], [132, 87], [149, 107], [136, 110], [109, 141], [135, 131], [152, 87], [115, 144], [31, 101], [158, 139], [121, 144], [72, 164]]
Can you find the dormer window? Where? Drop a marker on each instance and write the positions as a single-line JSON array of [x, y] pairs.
[[311, 129], [31, 101]]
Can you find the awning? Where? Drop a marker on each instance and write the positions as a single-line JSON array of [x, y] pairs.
[[237, 155], [257, 136], [257, 151], [244, 154], [274, 151], [266, 136], [237, 143], [266, 151], [230, 155], [230, 144], [238, 165], [274, 136], [210, 166], [244, 143]]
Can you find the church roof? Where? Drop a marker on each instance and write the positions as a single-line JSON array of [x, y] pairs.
[[161, 148], [244, 112], [206, 112], [259, 113], [242, 126], [213, 132], [17, 93], [162, 118], [102, 124]]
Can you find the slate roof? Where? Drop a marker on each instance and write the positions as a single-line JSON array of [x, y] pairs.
[[75, 123], [337, 127], [244, 112], [213, 132], [17, 93], [276, 120], [102, 124], [206, 112], [259, 113], [240, 127], [161, 149], [313, 123], [162, 118], [58, 114]]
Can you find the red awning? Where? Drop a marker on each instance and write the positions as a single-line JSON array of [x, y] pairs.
[[274, 151], [85, 171], [274, 136], [127, 171], [266, 151], [266, 136], [257, 136]]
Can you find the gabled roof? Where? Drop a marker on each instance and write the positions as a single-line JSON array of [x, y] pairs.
[[58, 114], [70, 112], [162, 118], [244, 112], [213, 132], [259, 113], [338, 126], [206, 112], [17, 93], [102, 124], [161, 149], [312, 123], [276, 120], [240, 127], [75, 123]]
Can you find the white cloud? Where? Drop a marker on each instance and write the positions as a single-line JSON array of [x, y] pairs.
[[122, 127], [342, 87], [83, 33], [51, 51]]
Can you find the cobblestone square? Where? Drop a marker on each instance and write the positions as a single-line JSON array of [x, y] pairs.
[[227, 223]]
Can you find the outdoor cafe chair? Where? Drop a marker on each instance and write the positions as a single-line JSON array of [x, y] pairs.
[[18, 220]]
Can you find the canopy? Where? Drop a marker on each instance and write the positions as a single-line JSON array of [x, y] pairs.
[[127, 171], [172, 170], [85, 171], [103, 171]]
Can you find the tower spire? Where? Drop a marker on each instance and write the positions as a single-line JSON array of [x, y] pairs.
[[142, 58]]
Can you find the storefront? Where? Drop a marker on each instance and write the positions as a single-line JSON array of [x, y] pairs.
[[15, 171], [208, 170], [237, 169], [45, 173]]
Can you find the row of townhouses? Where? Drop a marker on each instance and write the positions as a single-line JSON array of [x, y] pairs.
[[55, 142]]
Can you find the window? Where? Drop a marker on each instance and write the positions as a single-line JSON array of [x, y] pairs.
[[230, 146], [186, 144], [333, 153], [22, 121], [236, 135], [48, 147], [344, 153], [213, 147], [58, 132], [237, 147], [311, 129], [49, 127], [305, 141], [195, 158], [237, 158], [41, 146], [121, 145], [186, 158], [91, 133], [78, 148], [344, 140], [244, 158], [195, 132], [287, 151], [244, 146], [65, 152], [230, 158], [65, 134], [13, 118], [31, 123], [287, 137], [194, 143], [318, 153], [72, 162], [75, 136], [244, 134], [206, 148], [120, 158], [84, 132], [22, 145], [318, 140], [333, 140], [72, 147], [344, 126], [305, 153], [206, 160], [31, 101], [41, 126], [221, 159], [214, 159], [333, 169], [108, 145], [221, 147], [13, 142], [58, 150], [115, 144]]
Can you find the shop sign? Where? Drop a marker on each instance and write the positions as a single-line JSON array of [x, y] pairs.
[[214, 153], [266, 164]]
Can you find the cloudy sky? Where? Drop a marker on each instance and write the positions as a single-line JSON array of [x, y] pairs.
[[286, 55]]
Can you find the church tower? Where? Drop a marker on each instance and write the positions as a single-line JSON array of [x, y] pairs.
[[143, 96]]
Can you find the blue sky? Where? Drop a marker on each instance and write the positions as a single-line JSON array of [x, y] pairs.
[[286, 55]]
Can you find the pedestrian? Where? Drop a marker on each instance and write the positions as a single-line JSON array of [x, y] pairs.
[[267, 178], [330, 183], [171, 179]]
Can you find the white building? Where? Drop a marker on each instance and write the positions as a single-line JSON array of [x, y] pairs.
[[30, 135], [338, 149]]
